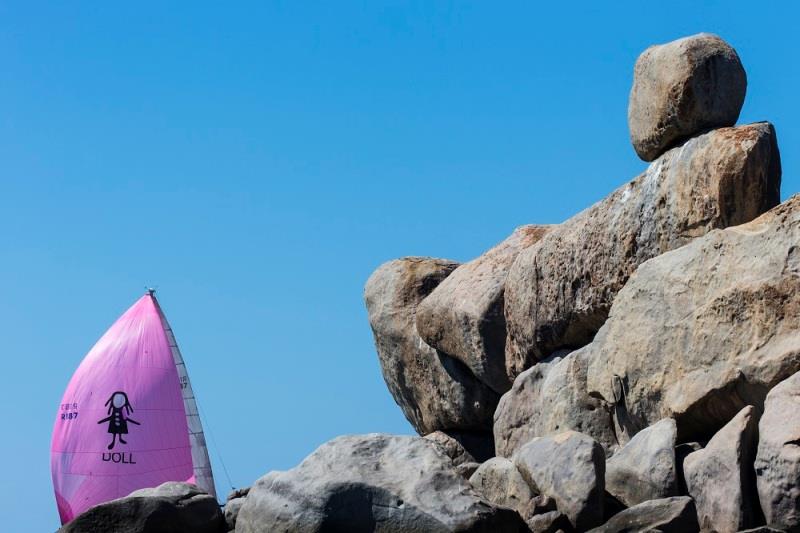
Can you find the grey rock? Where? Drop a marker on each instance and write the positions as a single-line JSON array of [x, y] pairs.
[[570, 468], [549, 522], [681, 452], [644, 469], [560, 290], [668, 515], [450, 447], [550, 398], [172, 506], [372, 482], [682, 88], [777, 462], [499, 481], [463, 316], [694, 335], [434, 390], [231, 512], [721, 479], [466, 470]]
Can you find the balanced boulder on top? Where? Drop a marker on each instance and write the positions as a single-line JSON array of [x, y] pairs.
[[681, 89]]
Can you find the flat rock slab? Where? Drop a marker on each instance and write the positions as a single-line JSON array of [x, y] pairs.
[[777, 463], [463, 316], [434, 390], [693, 335], [668, 515], [570, 468], [644, 469], [550, 398], [721, 479], [375, 482], [172, 506], [682, 88], [559, 291]]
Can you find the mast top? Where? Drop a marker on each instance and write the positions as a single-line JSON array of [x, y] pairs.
[[151, 291]]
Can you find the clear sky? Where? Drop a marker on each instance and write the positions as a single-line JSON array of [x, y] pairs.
[[256, 162]]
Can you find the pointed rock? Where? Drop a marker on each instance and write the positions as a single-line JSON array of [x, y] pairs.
[[435, 391], [668, 515], [570, 468], [778, 459], [463, 316], [721, 479], [551, 398], [559, 291], [644, 469]]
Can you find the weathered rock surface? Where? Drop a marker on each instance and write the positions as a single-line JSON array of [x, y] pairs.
[[570, 468], [450, 447], [668, 515], [499, 481], [559, 291], [463, 316], [172, 506], [644, 469], [682, 88], [370, 483], [434, 390], [549, 522], [777, 463], [703, 331], [233, 504], [721, 478], [550, 398]]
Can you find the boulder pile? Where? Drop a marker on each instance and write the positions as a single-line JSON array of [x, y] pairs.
[[634, 368]]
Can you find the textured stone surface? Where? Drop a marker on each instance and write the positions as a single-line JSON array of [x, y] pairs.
[[233, 503], [644, 469], [463, 316], [434, 390], [721, 478], [450, 447], [570, 468], [682, 88], [777, 463], [559, 291], [499, 481], [172, 506], [668, 515], [550, 398], [695, 334], [371, 482]]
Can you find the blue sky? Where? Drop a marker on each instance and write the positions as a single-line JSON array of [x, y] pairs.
[[257, 162]]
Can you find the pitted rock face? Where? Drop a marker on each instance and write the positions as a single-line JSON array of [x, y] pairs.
[[435, 391], [681, 89], [559, 291]]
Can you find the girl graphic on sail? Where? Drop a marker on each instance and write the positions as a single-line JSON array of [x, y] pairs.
[[118, 408]]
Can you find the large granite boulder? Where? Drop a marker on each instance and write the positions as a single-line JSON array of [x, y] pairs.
[[434, 390], [570, 468], [701, 332], [463, 316], [777, 462], [683, 88], [721, 479], [500, 482], [551, 398], [667, 515], [170, 507], [375, 482], [644, 469], [559, 291]]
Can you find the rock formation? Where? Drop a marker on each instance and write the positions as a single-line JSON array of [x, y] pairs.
[[616, 364]]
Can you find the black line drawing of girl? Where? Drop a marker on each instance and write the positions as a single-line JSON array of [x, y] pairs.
[[118, 408]]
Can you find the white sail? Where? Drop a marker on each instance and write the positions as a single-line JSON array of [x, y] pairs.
[[204, 478]]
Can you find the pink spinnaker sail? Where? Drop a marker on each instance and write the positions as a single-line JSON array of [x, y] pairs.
[[123, 424]]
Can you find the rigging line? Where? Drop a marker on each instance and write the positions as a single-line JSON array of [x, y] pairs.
[[216, 447]]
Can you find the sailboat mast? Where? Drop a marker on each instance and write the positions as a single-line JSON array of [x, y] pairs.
[[204, 477]]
